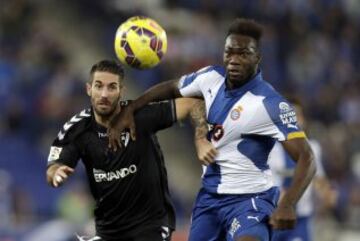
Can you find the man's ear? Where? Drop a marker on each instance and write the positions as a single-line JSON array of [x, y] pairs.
[[88, 89], [123, 89], [259, 57]]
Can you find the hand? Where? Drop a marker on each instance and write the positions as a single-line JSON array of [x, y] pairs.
[[61, 175], [206, 152], [283, 217], [123, 120]]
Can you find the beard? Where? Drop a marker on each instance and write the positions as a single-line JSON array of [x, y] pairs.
[[105, 112]]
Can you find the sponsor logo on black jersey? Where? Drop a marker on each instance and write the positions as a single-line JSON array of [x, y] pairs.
[[102, 176]]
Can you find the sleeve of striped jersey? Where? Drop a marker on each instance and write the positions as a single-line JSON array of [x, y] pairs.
[[276, 118], [190, 85]]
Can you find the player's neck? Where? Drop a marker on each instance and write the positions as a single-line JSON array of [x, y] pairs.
[[105, 120], [238, 84]]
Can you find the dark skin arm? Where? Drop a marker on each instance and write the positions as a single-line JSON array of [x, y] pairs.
[[125, 119], [284, 216]]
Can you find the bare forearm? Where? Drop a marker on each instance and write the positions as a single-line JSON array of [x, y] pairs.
[[162, 91], [198, 119], [304, 172]]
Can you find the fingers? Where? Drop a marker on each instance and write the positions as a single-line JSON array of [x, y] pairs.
[[205, 160], [68, 170], [208, 157], [61, 175], [125, 120], [133, 132], [57, 180], [114, 140], [212, 153]]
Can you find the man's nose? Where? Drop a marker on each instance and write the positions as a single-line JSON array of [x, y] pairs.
[[234, 60], [104, 92]]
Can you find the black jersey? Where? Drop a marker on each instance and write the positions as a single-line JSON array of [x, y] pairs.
[[130, 185]]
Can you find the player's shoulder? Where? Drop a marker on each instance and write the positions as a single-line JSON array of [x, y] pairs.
[[212, 69], [271, 97], [75, 125], [272, 101], [215, 70], [209, 73]]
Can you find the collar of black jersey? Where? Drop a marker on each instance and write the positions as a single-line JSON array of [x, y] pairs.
[[100, 127]]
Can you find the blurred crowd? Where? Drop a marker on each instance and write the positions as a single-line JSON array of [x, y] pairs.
[[310, 48]]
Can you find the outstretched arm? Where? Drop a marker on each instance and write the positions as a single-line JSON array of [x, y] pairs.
[[284, 216], [163, 91], [125, 119]]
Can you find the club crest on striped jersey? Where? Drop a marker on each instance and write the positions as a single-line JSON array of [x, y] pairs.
[[236, 112]]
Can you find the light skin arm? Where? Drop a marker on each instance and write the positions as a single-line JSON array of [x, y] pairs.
[[196, 109], [284, 216], [57, 174]]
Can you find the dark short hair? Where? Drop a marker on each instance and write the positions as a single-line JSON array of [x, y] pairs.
[[110, 66], [247, 27]]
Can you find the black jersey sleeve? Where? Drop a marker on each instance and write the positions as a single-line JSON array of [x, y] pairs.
[[65, 148], [156, 116], [67, 154]]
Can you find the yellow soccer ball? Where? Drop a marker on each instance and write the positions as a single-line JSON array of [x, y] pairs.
[[140, 42]]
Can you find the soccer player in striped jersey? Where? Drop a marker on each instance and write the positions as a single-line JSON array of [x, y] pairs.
[[129, 185], [238, 199], [283, 166]]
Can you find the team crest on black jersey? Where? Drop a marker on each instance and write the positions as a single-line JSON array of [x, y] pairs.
[[124, 138]]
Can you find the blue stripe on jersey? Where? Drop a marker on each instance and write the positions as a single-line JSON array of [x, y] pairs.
[[212, 178], [257, 149], [272, 104], [221, 106], [290, 165], [225, 100], [272, 107], [191, 77]]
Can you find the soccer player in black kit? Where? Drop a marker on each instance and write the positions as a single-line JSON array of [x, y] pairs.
[[129, 184]]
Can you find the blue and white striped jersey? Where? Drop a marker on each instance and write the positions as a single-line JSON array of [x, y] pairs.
[[246, 122]]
